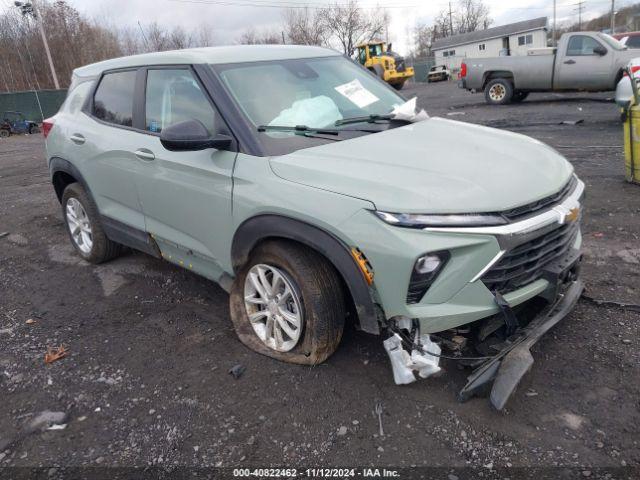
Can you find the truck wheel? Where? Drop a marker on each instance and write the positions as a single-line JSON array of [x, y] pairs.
[[4, 133], [398, 86], [519, 96], [33, 129], [84, 228], [498, 91], [287, 303]]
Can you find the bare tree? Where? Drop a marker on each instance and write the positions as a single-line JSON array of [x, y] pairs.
[[471, 15], [423, 39], [264, 37], [157, 37], [305, 27], [442, 25], [205, 36], [350, 25], [74, 41], [179, 38]]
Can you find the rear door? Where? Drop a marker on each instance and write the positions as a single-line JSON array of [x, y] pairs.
[[101, 143], [580, 68], [186, 196]]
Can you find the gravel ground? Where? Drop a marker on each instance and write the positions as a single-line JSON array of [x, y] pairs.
[[146, 380]]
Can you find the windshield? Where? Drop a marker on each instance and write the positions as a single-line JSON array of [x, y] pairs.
[[612, 41], [375, 50], [316, 92]]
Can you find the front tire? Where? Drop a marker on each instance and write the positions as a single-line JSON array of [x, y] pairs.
[[498, 91], [4, 133], [287, 303], [84, 227]]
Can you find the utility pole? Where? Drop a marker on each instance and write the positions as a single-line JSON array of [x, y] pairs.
[[32, 10], [613, 16], [450, 21], [580, 6], [555, 36]]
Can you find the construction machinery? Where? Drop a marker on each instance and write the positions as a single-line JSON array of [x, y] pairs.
[[389, 66]]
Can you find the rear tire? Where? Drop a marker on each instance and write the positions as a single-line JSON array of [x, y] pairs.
[[316, 294], [82, 221], [498, 91]]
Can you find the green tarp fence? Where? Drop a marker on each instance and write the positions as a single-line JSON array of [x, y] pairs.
[[421, 67], [35, 105]]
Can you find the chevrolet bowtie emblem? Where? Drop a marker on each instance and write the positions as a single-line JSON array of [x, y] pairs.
[[572, 216]]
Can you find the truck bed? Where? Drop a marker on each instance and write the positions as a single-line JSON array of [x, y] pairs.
[[531, 72]]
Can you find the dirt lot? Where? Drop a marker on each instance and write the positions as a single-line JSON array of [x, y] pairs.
[[146, 382]]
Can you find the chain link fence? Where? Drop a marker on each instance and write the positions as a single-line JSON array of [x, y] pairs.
[[35, 105]]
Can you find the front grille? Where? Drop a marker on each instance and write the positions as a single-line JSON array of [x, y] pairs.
[[534, 207], [525, 263]]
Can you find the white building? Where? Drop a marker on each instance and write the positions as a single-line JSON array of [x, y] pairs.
[[513, 39]]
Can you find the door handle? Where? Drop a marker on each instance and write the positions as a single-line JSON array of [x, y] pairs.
[[77, 139], [570, 62], [144, 154]]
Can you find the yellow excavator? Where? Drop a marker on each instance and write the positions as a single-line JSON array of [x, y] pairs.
[[378, 57]]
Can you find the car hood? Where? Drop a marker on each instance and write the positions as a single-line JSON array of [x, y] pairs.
[[434, 166]]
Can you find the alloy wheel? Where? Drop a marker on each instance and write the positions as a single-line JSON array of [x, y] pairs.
[[273, 307], [79, 225]]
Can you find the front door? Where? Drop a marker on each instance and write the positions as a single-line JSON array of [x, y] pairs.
[[185, 196], [582, 68]]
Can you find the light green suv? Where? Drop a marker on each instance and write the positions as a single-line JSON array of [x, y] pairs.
[[287, 175]]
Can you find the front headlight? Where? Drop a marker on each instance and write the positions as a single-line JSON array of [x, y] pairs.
[[416, 220]]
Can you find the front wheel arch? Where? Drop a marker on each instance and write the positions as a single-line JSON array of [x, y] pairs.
[[270, 226]]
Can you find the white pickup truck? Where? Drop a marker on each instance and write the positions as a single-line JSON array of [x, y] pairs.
[[582, 61]]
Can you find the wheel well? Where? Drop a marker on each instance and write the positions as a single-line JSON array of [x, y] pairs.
[[266, 227], [619, 76], [60, 181], [497, 74], [352, 314]]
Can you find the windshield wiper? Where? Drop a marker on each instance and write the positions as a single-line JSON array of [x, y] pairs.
[[302, 129], [373, 118]]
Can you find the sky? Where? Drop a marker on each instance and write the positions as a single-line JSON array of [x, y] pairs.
[[229, 18]]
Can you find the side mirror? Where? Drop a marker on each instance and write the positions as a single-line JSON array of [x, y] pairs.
[[600, 50], [191, 135]]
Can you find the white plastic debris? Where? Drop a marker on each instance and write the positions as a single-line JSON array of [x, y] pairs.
[[404, 364], [407, 111], [58, 426]]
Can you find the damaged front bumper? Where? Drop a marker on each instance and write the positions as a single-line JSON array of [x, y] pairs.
[[505, 370]]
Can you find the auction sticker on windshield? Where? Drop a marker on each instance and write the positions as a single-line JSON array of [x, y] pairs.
[[357, 94]]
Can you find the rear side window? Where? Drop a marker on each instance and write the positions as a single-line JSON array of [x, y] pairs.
[[633, 42], [113, 100], [582, 45], [174, 96]]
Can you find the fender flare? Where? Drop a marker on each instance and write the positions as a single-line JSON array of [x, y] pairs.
[[262, 227], [60, 165], [493, 74]]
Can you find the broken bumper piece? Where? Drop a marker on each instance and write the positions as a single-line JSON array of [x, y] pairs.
[[404, 364], [513, 361]]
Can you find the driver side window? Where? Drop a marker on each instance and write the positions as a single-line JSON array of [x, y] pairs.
[[580, 45], [174, 96], [362, 55]]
